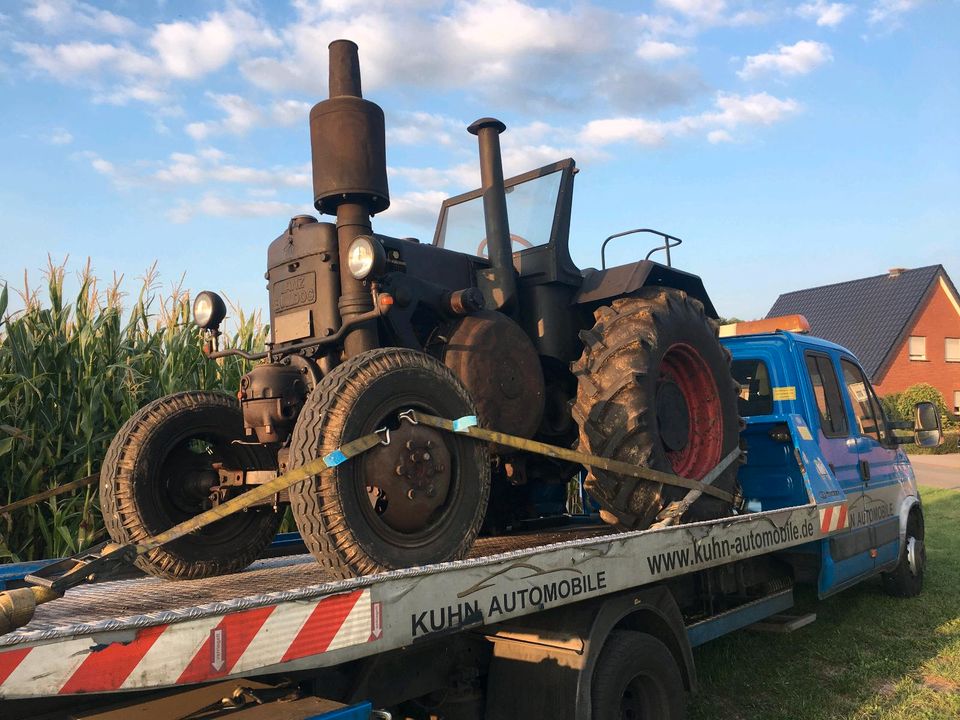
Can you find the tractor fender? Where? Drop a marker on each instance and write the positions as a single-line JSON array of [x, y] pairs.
[[601, 286]]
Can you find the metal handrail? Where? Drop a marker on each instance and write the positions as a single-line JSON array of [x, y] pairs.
[[669, 241]]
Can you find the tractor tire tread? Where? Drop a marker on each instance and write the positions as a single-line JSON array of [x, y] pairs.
[[118, 505]]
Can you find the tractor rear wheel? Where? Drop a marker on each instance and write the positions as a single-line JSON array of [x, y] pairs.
[[654, 389], [158, 472], [418, 500]]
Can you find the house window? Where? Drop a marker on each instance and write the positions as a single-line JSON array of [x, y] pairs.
[[918, 347], [956, 402], [951, 349]]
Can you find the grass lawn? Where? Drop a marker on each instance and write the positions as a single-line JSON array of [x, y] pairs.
[[867, 655]]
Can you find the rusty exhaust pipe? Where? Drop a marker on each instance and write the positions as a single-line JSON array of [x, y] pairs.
[[348, 144], [501, 279]]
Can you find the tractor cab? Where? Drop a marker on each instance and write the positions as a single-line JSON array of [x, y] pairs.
[[538, 208]]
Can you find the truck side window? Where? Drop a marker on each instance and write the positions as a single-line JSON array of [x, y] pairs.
[[865, 406], [755, 396], [826, 390]]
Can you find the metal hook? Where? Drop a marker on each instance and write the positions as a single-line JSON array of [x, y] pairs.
[[386, 434], [410, 416]]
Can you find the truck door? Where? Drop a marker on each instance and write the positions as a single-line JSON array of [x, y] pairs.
[[842, 558], [877, 465]]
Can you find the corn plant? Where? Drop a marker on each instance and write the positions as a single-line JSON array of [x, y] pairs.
[[70, 375]]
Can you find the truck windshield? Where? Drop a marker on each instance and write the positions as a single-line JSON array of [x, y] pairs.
[[755, 397], [531, 207]]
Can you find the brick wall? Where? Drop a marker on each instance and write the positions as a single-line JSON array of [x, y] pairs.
[[940, 319]]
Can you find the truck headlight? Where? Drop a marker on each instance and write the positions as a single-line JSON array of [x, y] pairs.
[[364, 256], [209, 310]]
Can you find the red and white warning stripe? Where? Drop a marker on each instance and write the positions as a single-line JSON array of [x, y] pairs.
[[191, 651], [833, 518]]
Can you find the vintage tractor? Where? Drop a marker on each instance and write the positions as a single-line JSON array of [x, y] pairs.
[[492, 319]]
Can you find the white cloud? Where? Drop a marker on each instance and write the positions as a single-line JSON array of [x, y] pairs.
[[613, 130], [730, 111], [416, 208], [56, 16], [84, 58], [507, 52], [827, 14], [890, 11], [208, 166], [756, 109], [797, 59], [422, 128], [655, 50], [241, 116], [122, 72], [710, 13], [220, 206], [104, 167], [703, 10], [145, 92], [58, 136], [190, 50]]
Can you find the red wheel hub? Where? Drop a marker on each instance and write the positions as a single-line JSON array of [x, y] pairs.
[[689, 415]]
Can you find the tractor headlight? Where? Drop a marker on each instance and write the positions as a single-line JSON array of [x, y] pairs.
[[364, 256], [209, 310]]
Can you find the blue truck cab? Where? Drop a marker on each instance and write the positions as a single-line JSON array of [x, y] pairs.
[[816, 432]]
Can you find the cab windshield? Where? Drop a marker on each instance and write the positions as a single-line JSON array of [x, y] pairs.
[[531, 206]]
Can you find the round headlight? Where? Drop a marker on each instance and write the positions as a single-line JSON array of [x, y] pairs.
[[364, 256], [209, 310]]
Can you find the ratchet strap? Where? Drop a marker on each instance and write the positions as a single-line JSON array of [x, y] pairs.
[[70, 572], [50, 582], [468, 425]]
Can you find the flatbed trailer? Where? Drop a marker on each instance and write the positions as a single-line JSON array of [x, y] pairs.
[[286, 614], [528, 610]]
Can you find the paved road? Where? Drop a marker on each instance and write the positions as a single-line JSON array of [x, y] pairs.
[[939, 471]]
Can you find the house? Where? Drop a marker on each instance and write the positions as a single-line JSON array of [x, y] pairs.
[[903, 326]]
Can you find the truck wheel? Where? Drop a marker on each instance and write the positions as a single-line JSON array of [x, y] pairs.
[[419, 500], [906, 580], [654, 389], [158, 472], [636, 676]]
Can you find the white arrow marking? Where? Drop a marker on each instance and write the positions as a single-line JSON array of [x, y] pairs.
[[218, 649]]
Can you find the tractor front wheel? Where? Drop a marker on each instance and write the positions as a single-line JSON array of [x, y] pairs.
[[416, 501], [158, 472]]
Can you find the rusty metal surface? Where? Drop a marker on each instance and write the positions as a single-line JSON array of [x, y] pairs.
[[411, 477], [500, 368], [152, 600]]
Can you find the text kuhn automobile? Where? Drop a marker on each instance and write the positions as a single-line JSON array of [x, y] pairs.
[[493, 319]]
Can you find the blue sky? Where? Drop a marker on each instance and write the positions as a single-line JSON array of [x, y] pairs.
[[790, 144]]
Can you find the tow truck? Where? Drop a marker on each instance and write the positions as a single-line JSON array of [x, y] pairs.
[[565, 619]]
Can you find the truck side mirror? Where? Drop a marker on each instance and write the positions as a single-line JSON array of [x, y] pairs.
[[927, 431]]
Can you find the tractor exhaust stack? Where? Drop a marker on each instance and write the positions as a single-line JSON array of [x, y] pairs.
[[501, 281], [349, 147]]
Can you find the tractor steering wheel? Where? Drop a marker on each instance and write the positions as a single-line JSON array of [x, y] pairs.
[[521, 241]]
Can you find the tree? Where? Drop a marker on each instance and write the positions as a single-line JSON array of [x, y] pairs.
[[923, 392]]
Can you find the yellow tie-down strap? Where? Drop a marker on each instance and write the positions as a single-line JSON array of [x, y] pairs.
[[469, 426]]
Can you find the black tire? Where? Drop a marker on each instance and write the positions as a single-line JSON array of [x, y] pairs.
[[636, 676], [340, 524], [155, 474], [654, 389], [906, 580]]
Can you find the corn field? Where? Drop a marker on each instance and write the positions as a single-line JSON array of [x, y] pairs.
[[70, 375]]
